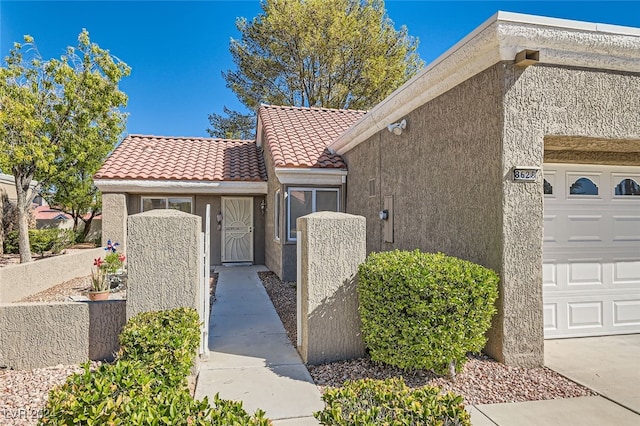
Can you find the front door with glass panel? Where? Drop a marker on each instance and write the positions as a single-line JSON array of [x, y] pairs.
[[237, 229]]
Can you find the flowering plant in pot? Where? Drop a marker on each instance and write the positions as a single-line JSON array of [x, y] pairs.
[[103, 268]]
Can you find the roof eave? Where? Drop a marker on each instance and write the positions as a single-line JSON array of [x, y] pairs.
[[180, 186], [559, 41]]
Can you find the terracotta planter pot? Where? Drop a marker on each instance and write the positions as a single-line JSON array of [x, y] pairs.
[[98, 295]]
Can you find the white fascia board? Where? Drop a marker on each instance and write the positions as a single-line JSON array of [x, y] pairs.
[[559, 41], [310, 176], [180, 187]]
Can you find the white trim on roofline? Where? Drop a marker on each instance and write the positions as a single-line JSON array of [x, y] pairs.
[[559, 41], [180, 186], [310, 176]]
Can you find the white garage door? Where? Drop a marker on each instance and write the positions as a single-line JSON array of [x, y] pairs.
[[591, 250]]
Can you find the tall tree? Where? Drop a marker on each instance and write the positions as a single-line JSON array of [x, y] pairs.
[[50, 108], [322, 53]]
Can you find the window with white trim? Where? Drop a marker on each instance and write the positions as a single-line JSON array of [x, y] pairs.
[[303, 201], [276, 224], [184, 204]]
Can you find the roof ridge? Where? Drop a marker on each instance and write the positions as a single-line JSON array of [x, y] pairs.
[[313, 108], [136, 135]]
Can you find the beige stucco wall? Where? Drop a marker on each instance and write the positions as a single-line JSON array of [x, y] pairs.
[[273, 248], [36, 335], [542, 102], [164, 261], [332, 245], [444, 173], [22, 280], [115, 208], [450, 176]]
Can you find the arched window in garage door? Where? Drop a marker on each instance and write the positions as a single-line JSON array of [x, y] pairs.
[[583, 186], [627, 187]]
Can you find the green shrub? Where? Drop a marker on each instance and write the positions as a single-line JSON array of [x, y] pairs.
[[390, 402], [164, 341], [125, 393], [41, 240], [147, 384], [11, 243], [424, 310]]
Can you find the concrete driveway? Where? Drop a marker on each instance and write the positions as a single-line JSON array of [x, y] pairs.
[[610, 365]]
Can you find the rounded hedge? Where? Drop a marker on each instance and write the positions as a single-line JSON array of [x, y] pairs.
[[370, 402], [424, 310]]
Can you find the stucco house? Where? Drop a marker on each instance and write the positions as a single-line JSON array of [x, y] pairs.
[[518, 148]]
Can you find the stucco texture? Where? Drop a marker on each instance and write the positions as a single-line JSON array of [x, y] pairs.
[[164, 261], [114, 218], [273, 247], [18, 281], [450, 176], [36, 335], [332, 247]]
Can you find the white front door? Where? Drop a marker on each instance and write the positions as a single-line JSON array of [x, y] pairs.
[[591, 251], [237, 229]]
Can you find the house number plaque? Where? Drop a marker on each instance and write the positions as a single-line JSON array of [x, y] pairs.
[[525, 174]]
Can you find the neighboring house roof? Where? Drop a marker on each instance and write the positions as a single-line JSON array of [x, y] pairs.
[[47, 213], [298, 137], [141, 157]]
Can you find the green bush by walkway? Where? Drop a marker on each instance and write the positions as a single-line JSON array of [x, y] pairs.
[[147, 384], [424, 310]]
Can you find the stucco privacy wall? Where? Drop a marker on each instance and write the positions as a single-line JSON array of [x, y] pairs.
[[332, 245], [18, 281], [114, 218], [36, 335], [164, 261]]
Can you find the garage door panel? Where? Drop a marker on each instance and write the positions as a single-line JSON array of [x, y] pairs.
[[585, 228], [584, 272], [626, 228], [626, 312], [591, 251], [550, 316], [626, 271], [584, 315]]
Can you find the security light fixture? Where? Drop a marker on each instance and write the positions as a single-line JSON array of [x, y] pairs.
[[397, 128], [384, 214]]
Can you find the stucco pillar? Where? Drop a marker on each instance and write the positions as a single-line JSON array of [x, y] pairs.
[[330, 248], [164, 262], [114, 219]]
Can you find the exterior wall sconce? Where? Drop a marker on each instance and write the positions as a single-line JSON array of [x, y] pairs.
[[219, 219], [384, 214], [263, 206], [397, 128]]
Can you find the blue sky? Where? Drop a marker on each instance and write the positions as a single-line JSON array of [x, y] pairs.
[[177, 50]]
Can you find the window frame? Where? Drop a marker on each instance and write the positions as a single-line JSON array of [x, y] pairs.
[[314, 191], [166, 199]]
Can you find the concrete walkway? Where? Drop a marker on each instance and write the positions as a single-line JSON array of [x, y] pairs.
[[251, 358]]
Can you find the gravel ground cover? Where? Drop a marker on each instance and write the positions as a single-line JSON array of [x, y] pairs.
[[482, 381], [24, 393]]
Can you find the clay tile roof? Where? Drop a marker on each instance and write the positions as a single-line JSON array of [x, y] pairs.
[[180, 158], [299, 137]]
